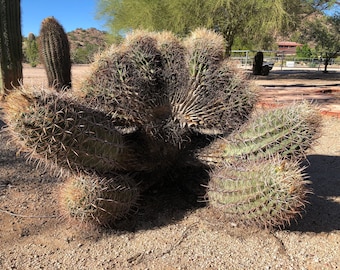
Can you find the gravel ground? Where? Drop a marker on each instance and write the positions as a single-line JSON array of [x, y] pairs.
[[170, 230]]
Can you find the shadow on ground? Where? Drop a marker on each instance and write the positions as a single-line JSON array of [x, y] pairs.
[[323, 213], [300, 75]]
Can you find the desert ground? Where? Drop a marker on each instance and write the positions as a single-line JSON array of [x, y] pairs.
[[170, 229]]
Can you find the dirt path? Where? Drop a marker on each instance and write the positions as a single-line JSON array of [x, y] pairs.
[[170, 230]]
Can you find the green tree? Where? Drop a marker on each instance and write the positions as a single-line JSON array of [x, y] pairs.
[[324, 31], [84, 54], [246, 20], [304, 51], [31, 51]]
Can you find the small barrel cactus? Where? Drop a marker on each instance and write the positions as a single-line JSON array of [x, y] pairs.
[[54, 52], [91, 199], [265, 193]]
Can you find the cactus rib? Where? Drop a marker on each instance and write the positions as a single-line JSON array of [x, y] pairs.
[[267, 193], [89, 198]]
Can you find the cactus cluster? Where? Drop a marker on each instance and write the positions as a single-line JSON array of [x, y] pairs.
[[152, 104]]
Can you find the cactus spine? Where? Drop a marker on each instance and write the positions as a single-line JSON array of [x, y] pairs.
[[288, 132], [88, 198], [55, 53], [60, 132], [265, 193], [10, 45], [152, 101], [217, 98]]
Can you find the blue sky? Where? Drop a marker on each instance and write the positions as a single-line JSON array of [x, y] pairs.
[[71, 14]]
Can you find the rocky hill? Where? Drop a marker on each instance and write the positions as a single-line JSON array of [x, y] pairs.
[[85, 43]]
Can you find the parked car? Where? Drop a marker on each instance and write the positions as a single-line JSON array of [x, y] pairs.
[[266, 67], [269, 64]]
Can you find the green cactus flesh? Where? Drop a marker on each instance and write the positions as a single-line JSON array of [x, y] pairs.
[[55, 53], [10, 45], [266, 193], [149, 104], [166, 86], [89, 198], [288, 131], [61, 132]]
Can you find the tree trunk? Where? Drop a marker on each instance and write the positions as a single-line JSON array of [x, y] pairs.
[[326, 65]]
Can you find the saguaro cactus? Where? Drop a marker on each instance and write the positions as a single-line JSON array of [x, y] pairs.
[[55, 53], [10, 45]]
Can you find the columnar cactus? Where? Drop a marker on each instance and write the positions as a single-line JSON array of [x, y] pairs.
[[10, 45], [54, 52]]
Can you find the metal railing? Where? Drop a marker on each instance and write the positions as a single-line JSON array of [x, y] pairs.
[[246, 58]]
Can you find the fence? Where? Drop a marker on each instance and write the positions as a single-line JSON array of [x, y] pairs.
[[246, 58]]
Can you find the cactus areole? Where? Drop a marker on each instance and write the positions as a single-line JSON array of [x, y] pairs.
[[10, 45]]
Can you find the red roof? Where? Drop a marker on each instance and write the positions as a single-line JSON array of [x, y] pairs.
[[288, 43]]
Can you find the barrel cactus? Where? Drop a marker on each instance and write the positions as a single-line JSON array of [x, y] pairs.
[[54, 52], [169, 88], [262, 193], [156, 104], [64, 135], [91, 199], [287, 132]]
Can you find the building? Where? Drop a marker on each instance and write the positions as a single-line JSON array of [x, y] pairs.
[[287, 47]]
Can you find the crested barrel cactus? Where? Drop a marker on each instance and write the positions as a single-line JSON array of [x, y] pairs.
[[156, 104], [170, 88]]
